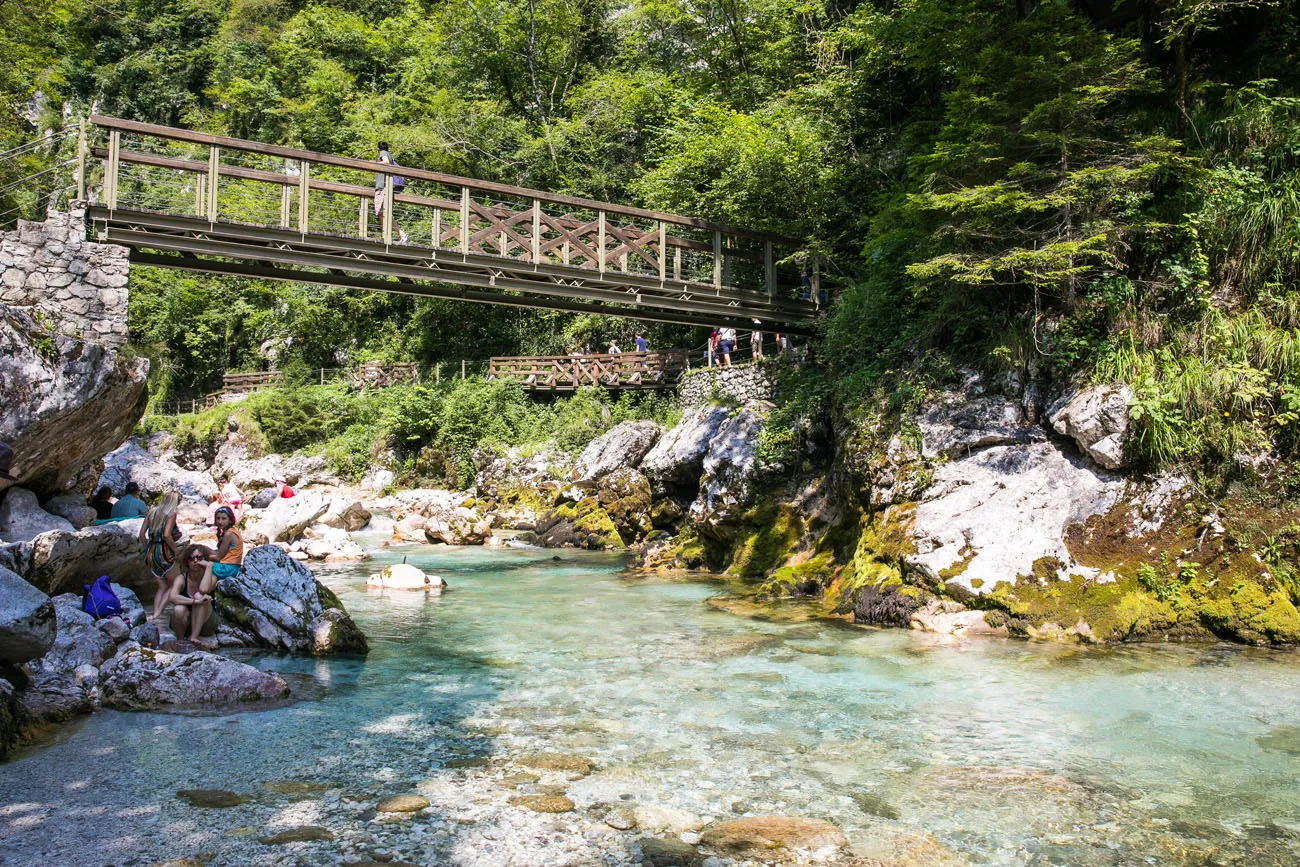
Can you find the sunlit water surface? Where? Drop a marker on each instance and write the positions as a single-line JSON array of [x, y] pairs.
[[1002, 752]]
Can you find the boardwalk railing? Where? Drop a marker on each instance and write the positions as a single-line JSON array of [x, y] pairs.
[[233, 206], [627, 370], [374, 374]]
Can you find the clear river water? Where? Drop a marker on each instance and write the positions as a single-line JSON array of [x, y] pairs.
[[924, 750]]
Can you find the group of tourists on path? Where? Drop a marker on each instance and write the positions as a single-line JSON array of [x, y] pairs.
[[723, 342]]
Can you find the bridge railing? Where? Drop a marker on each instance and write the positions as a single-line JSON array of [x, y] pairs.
[[145, 167], [568, 372]]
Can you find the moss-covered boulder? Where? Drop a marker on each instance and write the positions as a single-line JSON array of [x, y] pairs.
[[585, 524], [625, 496]]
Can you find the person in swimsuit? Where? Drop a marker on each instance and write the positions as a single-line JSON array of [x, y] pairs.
[[191, 606], [230, 551], [158, 535]]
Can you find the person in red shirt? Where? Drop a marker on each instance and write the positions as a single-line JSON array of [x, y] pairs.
[[282, 489]]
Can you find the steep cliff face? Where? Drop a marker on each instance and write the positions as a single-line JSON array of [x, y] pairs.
[[67, 402], [69, 397]]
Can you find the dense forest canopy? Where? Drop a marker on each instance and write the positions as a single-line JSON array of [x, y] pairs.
[[1095, 188]]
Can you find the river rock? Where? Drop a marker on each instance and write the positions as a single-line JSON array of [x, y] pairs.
[[77, 400], [134, 462], [1097, 418], [276, 602], [406, 803], [27, 620], [210, 799], [991, 516], [263, 498], [78, 640], [334, 633], [66, 561], [302, 834], [16, 557], [677, 460], [621, 447], [541, 803], [410, 529], [73, 509], [22, 519], [672, 820], [285, 519], [378, 480], [759, 836], [946, 617], [346, 513], [322, 542], [403, 576], [669, 853], [729, 466], [140, 679]]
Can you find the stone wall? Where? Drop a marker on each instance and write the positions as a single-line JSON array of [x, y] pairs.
[[68, 284], [743, 382]]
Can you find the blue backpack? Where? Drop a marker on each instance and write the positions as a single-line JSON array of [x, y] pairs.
[[99, 599]]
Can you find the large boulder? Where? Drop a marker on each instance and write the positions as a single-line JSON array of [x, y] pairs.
[[625, 496], [729, 467], [458, 526], [66, 402], [139, 678], [1097, 418], [27, 620], [22, 519], [677, 460], [66, 560], [133, 462], [403, 576], [285, 519], [321, 542], [233, 462], [996, 515], [79, 641], [962, 423], [73, 509], [346, 513], [621, 447], [276, 602]]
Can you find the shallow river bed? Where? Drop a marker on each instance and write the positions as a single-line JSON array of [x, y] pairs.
[[925, 751]]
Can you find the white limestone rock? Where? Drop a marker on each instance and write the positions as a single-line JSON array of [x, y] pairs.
[[1097, 418], [621, 447], [22, 519]]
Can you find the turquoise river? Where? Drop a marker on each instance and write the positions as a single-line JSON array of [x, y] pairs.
[[925, 751]]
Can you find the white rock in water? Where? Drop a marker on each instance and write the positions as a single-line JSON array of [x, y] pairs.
[[402, 576]]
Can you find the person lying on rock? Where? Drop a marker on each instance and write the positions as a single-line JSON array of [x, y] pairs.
[[158, 534], [230, 550], [191, 606]]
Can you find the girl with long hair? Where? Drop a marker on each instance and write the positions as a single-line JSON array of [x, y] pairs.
[[158, 535]]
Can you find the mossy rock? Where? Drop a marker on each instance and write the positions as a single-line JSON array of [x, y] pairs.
[[765, 539], [1253, 614], [591, 519]]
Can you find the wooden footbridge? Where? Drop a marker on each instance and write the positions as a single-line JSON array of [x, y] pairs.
[[199, 202], [625, 370]]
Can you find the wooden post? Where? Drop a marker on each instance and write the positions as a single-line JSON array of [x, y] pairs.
[[717, 261], [214, 180], [600, 241], [363, 217], [81, 161], [437, 228], [769, 269], [663, 252], [304, 196], [322, 376], [110, 175], [817, 281], [464, 220], [437, 373], [389, 207], [200, 194], [726, 267], [462, 368], [537, 231], [677, 263], [286, 195]]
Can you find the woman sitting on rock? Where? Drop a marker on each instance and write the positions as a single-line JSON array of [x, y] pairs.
[[230, 550], [158, 534], [191, 606], [103, 503]]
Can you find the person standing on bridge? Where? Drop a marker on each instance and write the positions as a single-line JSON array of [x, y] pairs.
[[399, 184], [756, 340]]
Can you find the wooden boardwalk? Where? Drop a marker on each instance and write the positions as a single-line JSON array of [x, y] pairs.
[[626, 370], [199, 202]]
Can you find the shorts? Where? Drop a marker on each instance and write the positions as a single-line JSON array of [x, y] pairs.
[[226, 570], [725, 347]]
